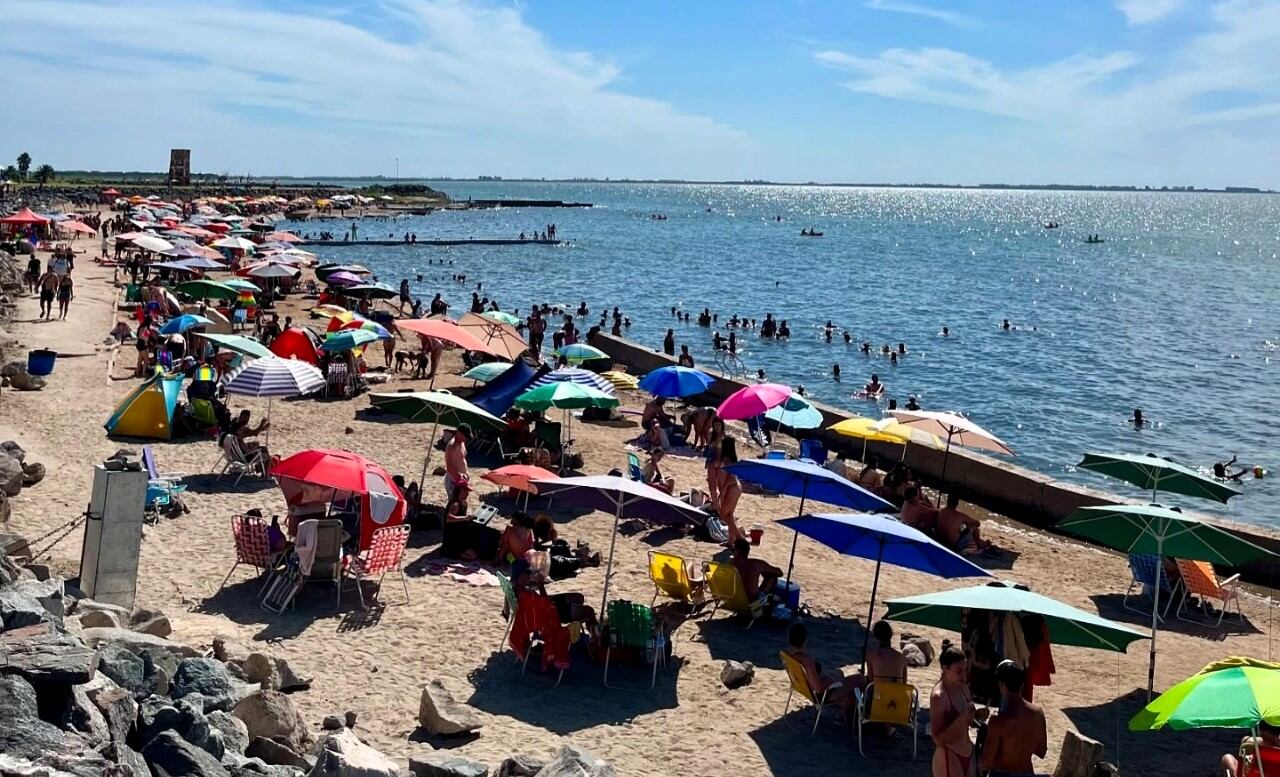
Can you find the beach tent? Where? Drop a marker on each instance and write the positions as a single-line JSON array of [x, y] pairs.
[[296, 343], [500, 394], [148, 410]]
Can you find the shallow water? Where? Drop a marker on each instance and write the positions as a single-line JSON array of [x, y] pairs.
[[1175, 313]]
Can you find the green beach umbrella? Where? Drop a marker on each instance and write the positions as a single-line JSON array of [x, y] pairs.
[[1152, 530], [437, 408], [1067, 625], [347, 339], [1158, 474], [501, 317], [207, 290], [240, 344], [240, 284], [1232, 693], [581, 352], [566, 396], [487, 371]]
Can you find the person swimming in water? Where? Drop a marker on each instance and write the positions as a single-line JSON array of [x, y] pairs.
[[874, 387], [902, 349], [1220, 471], [866, 347], [912, 403], [946, 332], [1138, 420], [893, 358], [1006, 326], [835, 372]]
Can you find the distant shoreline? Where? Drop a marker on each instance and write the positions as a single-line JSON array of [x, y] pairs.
[[143, 177]]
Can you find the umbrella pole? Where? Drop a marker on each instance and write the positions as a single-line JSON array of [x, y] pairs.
[[792, 561], [1155, 614], [864, 450], [942, 479], [568, 419], [871, 611], [422, 481], [268, 423], [608, 572]]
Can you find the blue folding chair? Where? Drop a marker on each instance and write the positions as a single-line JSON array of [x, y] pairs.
[[814, 451], [1143, 568]]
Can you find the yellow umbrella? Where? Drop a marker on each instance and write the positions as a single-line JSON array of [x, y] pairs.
[[328, 311], [885, 430], [621, 380]]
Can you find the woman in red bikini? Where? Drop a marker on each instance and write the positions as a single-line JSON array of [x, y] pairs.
[[951, 710]]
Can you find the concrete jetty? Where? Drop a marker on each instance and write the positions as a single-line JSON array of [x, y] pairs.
[[468, 241]]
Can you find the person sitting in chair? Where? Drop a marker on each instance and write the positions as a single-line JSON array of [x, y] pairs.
[[246, 435], [817, 680], [759, 578], [532, 571], [652, 472]]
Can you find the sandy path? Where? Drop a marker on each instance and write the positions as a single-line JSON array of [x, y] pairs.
[[375, 662]]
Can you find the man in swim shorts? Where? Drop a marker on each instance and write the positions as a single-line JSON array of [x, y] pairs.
[[1017, 732]]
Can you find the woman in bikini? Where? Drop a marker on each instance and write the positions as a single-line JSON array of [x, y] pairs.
[[730, 489], [950, 712], [712, 455]]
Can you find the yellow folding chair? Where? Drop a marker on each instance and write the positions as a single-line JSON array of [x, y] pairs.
[[800, 685], [890, 703], [725, 587], [670, 577]]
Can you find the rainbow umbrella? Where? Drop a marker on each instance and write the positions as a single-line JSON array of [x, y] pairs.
[[1232, 693], [369, 326]]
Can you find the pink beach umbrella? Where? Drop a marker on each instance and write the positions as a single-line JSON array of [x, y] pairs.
[[752, 401]]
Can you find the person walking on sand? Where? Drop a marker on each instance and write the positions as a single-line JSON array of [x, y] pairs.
[[49, 283], [65, 292]]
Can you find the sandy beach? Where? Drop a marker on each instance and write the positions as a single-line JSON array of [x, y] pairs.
[[375, 662]]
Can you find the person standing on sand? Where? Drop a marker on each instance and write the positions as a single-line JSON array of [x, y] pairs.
[[456, 478], [1017, 732], [65, 294], [49, 283], [951, 710]]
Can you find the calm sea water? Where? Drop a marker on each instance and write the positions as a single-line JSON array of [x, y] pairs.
[[1175, 313]]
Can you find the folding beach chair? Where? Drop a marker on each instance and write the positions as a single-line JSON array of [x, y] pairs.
[[1262, 760], [799, 684], [536, 626], [1200, 580], [385, 553], [725, 586], [240, 463], [634, 470], [669, 574], [509, 595], [163, 488], [1143, 569], [632, 626], [253, 545], [326, 566], [888, 703]]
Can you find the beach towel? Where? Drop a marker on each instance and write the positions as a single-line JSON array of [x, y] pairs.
[[306, 545], [468, 572], [679, 451]]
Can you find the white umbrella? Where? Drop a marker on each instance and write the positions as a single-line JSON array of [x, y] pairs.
[[274, 377], [955, 427], [152, 243], [235, 242], [273, 271]]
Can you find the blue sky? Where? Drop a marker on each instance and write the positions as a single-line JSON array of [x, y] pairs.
[[1088, 91]]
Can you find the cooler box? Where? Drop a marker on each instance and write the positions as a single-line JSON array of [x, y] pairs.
[[788, 594]]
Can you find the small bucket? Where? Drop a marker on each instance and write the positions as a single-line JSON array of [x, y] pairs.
[[40, 361], [756, 534]]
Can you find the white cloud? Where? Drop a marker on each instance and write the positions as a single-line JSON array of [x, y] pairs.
[[928, 12], [447, 86], [1147, 11]]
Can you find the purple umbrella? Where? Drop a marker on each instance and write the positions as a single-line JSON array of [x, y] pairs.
[[622, 497], [343, 278]]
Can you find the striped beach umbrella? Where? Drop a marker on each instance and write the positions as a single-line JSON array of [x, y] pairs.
[[575, 375], [274, 377]]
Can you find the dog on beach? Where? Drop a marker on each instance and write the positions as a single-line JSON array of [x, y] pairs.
[[402, 358]]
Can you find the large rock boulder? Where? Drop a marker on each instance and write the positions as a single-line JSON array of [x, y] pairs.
[[94, 619], [1079, 756], [137, 642], [575, 762], [445, 765], [519, 766], [273, 673], [155, 624], [10, 475], [922, 646], [22, 733], [206, 678], [342, 754], [19, 608], [32, 473], [117, 706], [735, 674], [124, 667], [172, 756], [13, 450], [25, 381], [48, 592], [43, 654], [440, 714], [272, 715], [272, 752], [235, 734]]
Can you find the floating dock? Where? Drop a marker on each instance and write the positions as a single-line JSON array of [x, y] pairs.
[[479, 241]]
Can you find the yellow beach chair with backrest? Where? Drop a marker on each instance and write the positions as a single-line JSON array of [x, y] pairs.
[[670, 577], [889, 703], [800, 685], [724, 584]]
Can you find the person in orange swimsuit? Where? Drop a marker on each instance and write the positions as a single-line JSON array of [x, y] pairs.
[[951, 710]]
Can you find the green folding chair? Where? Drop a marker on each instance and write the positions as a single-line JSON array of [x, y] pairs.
[[509, 592], [633, 626]]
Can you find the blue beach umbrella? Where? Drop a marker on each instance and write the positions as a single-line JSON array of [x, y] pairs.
[[807, 481], [797, 413], [887, 541], [179, 324], [487, 371], [673, 382]]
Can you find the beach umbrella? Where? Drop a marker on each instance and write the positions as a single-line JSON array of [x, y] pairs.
[[24, 216], [796, 412], [348, 339], [807, 480], [884, 430], [1158, 474], [624, 498], [152, 243], [207, 290], [202, 262], [502, 317], [887, 541], [240, 284], [72, 225], [240, 344], [274, 377], [343, 279], [1152, 530], [328, 311], [505, 341], [180, 324], [566, 396], [751, 401], [448, 331], [575, 375], [955, 428], [273, 270], [581, 352], [1236, 692], [310, 475], [437, 408], [519, 477], [325, 270], [621, 380], [287, 237], [673, 382], [235, 243], [487, 371], [370, 291], [1067, 625], [369, 326]]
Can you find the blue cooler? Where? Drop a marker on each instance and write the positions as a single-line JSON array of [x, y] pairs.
[[40, 361], [788, 594]]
